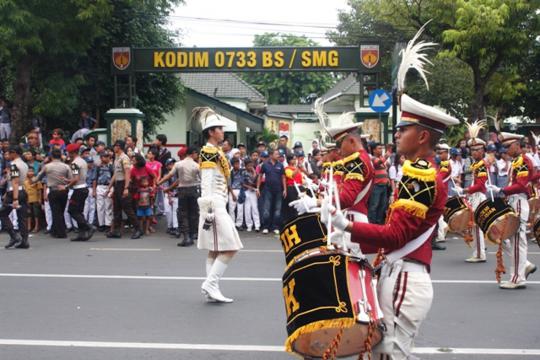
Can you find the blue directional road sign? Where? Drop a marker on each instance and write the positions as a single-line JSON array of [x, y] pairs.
[[379, 100]]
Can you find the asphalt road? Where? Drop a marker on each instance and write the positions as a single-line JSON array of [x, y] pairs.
[[140, 299]]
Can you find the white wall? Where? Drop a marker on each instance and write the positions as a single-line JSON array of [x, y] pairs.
[[305, 132]]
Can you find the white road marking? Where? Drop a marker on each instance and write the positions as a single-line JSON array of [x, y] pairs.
[[528, 253], [252, 348], [261, 251], [124, 249], [198, 278]]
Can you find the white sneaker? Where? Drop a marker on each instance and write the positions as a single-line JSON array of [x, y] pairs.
[[276, 232], [529, 269], [248, 230], [265, 231], [512, 286], [474, 259]]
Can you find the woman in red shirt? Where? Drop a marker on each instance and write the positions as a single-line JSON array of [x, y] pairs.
[[292, 176]]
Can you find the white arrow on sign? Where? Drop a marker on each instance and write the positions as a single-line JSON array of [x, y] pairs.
[[379, 100]]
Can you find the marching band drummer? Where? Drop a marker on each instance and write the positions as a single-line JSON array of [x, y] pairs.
[[355, 182], [217, 232], [477, 190], [445, 171], [517, 193], [404, 290]]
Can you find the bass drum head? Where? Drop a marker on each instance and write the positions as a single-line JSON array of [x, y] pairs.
[[315, 343], [459, 221], [503, 228]]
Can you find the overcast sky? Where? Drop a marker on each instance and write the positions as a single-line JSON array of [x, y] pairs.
[[248, 18]]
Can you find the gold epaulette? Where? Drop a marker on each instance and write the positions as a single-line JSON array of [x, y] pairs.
[[519, 166], [338, 167], [419, 170]]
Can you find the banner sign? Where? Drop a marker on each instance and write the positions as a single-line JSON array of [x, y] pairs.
[[364, 58]]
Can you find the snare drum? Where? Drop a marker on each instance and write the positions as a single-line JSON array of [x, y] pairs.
[[457, 214], [327, 292], [534, 206], [497, 220], [303, 233]]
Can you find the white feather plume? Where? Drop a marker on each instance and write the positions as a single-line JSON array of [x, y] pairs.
[[414, 57], [318, 109], [201, 113], [346, 118], [475, 127], [536, 138]]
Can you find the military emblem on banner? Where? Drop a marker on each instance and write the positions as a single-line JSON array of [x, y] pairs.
[[121, 57], [369, 55]]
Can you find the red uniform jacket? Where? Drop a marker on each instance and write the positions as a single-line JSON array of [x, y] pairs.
[[480, 176], [522, 168], [357, 174], [419, 203], [445, 170]]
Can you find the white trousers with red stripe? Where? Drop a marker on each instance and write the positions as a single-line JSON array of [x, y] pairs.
[[478, 235], [405, 296], [516, 246], [442, 228]]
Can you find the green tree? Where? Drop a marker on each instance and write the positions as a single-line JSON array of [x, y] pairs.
[[287, 87], [32, 33], [55, 57], [487, 35]]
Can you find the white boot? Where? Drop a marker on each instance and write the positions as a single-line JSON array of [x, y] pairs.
[[209, 263], [210, 286]]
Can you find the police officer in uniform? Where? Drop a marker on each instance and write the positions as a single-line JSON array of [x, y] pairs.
[[58, 174], [15, 198], [122, 200], [79, 169]]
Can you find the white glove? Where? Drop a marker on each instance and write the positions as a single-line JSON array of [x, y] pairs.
[[339, 221], [337, 238], [493, 188], [458, 190], [304, 204]]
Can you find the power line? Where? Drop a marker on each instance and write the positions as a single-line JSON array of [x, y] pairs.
[[192, 18]]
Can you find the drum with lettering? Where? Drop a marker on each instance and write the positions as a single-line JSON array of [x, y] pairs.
[[457, 214], [303, 233], [497, 220], [331, 303]]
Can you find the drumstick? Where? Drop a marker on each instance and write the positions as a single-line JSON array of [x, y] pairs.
[[489, 182], [330, 192]]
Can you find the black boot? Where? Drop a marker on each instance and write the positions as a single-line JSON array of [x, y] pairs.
[[23, 244], [113, 235], [90, 232], [437, 246], [14, 239], [81, 236], [185, 240]]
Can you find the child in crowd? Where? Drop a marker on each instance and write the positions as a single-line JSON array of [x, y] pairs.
[[57, 140], [33, 191], [102, 188], [144, 204], [235, 185], [251, 208], [89, 211]]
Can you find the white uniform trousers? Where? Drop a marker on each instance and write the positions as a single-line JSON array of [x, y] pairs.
[[48, 214], [442, 229], [237, 219], [251, 210], [478, 235], [67, 218], [171, 205], [104, 206], [405, 295], [516, 246], [89, 211]]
